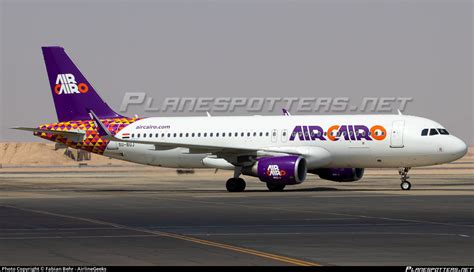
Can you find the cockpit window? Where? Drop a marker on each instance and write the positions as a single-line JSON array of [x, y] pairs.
[[433, 132], [443, 131]]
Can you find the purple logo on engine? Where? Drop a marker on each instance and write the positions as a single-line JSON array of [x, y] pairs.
[[273, 170]]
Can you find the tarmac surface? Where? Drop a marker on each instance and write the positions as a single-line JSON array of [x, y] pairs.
[[152, 216]]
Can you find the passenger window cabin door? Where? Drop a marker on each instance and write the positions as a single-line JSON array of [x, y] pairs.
[[274, 136], [396, 135], [284, 135]]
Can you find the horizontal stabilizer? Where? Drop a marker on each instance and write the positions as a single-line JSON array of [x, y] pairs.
[[75, 135]]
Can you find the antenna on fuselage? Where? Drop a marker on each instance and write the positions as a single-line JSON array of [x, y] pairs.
[[286, 112], [208, 114], [399, 112]]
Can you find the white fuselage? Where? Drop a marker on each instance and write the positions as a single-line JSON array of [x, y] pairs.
[[400, 145]]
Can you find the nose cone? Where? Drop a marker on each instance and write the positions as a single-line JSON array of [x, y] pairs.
[[457, 148]]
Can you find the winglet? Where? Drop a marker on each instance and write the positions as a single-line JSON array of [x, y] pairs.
[[286, 112], [101, 128]]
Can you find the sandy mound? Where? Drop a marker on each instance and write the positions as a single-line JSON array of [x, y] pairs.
[[44, 154]]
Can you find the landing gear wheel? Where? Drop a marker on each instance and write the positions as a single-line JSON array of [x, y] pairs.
[[403, 172], [235, 185], [405, 185], [242, 184], [275, 187]]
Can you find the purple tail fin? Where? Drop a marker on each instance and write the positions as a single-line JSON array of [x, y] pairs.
[[74, 97]]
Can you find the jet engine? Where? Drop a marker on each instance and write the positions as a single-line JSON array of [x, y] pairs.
[[284, 170], [339, 174]]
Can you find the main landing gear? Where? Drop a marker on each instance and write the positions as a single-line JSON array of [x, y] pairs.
[[405, 185], [272, 187], [236, 184]]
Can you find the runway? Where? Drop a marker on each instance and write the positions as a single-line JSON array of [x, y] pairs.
[[146, 216]]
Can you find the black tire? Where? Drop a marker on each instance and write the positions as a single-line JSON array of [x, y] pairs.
[[273, 187], [405, 185], [235, 185], [242, 184]]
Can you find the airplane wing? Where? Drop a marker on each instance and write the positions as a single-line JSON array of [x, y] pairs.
[[236, 155], [239, 155], [159, 145], [75, 135]]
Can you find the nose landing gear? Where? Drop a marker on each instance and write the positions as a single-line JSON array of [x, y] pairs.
[[403, 172]]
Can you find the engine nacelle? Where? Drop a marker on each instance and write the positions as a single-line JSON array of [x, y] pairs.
[[339, 174], [285, 170]]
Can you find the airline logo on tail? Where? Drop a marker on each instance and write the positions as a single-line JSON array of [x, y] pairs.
[[66, 84]]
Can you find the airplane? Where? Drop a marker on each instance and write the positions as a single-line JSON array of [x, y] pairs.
[[279, 150]]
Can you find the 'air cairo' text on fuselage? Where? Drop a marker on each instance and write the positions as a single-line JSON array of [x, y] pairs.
[[339, 132]]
